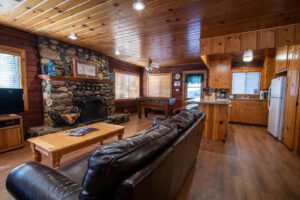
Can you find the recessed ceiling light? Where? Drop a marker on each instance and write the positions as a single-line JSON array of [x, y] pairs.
[[72, 36], [138, 5], [117, 52], [248, 56]]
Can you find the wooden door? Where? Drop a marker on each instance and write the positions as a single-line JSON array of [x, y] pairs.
[[291, 98]]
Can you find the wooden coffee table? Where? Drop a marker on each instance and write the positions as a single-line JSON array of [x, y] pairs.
[[58, 144]]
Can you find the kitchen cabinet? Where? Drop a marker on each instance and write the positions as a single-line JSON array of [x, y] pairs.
[[268, 72], [249, 41], [205, 46], [249, 111], [218, 45], [233, 43], [285, 35], [281, 60], [266, 39], [220, 74]]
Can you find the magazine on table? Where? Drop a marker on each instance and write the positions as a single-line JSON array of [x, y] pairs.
[[81, 131]]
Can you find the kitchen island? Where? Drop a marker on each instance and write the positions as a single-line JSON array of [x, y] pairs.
[[216, 123]]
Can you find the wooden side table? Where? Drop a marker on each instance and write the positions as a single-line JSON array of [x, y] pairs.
[[11, 132]]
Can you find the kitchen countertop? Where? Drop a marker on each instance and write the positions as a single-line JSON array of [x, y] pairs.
[[206, 101], [249, 99]]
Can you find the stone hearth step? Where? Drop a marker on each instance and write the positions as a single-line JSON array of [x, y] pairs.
[[118, 118]]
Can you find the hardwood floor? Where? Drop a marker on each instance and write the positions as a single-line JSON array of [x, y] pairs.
[[251, 164]]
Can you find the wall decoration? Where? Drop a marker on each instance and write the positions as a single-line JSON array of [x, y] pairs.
[[176, 83], [111, 76], [48, 68], [51, 68], [82, 68], [177, 76]]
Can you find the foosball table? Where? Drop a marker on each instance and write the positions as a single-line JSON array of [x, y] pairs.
[[155, 103]]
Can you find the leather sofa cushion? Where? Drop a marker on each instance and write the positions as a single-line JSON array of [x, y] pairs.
[[182, 120], [76, 170], [112, 163]]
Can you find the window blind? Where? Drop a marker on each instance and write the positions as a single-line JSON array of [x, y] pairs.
[[159, 85], [245, 82], [10, 71], [126, 86]]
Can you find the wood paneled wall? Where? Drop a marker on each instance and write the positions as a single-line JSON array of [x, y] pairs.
[[174, 70], [28, 42], [122, 106]]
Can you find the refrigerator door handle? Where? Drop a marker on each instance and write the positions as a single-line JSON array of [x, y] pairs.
[[269, 97]]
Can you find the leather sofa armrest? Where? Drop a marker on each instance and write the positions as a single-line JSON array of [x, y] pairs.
[[33, 181]]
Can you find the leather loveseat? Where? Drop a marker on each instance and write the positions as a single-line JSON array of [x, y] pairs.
[[150, 165]]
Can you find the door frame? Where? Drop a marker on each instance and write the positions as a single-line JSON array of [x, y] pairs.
[[184, 73]]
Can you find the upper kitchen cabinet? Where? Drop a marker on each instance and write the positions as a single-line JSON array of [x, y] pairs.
[[248, 41], [232, 43], [281, 61], [268, 72], [218, 45], [266, 39], [205, 46], [285, 35], [220, 74]]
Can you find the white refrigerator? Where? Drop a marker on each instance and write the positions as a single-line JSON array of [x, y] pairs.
[[276, 101]]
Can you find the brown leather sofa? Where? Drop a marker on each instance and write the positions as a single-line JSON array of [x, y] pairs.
[[150, 165]]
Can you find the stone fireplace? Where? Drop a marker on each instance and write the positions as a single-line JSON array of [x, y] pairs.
[[94, 99]]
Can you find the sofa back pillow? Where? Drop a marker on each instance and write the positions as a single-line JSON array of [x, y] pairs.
[[182, 120], [112, 163]]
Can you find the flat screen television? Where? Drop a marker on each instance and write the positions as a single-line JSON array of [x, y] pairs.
[[11, 101]]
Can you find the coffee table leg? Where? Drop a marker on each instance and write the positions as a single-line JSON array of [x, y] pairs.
[[55, 160], [120, 135], [37, 157]]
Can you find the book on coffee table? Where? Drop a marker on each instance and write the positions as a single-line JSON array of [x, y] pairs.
[[81, 131]]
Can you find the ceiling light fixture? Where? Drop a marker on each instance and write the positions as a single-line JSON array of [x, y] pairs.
[[138, 6], [72, 36], [248, 56], [117, 52]]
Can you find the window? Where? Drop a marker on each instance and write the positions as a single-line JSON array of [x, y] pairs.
[[193, 84], [245, 83], [10, 71], [127, 85], [159, 85]]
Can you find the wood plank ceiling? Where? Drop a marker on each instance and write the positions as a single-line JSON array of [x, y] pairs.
[[167, 31]]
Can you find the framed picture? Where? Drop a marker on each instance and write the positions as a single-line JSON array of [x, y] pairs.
[[82, 68], [176, 83]]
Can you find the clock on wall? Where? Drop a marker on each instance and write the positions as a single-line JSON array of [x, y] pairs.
[[177, 76]]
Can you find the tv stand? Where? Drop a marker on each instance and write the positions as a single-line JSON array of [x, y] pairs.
[[11, 132]]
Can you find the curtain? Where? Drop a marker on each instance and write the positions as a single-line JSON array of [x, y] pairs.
[[194, 78]]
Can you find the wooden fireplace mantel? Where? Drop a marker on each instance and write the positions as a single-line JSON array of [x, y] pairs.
[[69, 78]]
